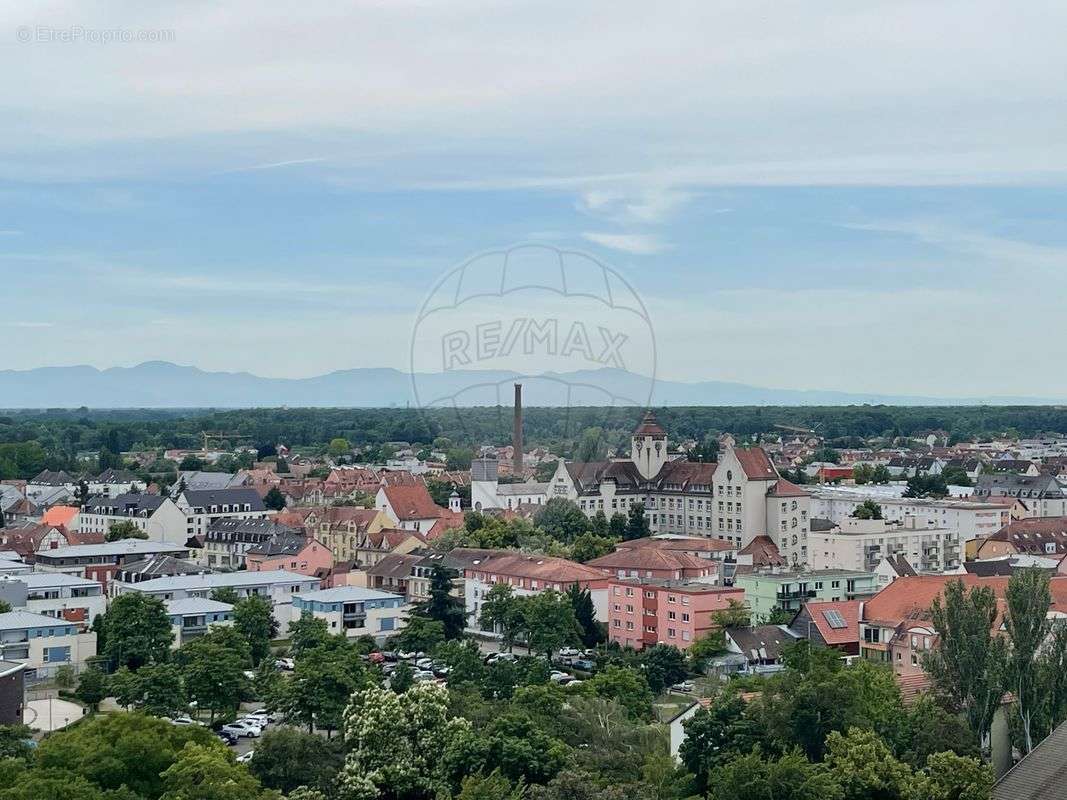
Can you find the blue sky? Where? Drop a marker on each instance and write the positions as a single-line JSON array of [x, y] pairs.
[[865, 199]]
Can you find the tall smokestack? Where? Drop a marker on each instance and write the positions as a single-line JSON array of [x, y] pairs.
[[516, 433]]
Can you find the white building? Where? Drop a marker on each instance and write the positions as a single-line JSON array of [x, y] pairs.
[[44, 644], [201, 508], [968, 519], [113, 482], [737, 499], [99, 562], [354, 611], [192, 617], [277, 586], [861, 544], [68, 597], [157, 516], [487, 492]]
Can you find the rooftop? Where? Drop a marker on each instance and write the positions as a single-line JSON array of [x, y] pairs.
[[121, 547], [195, 605], [217, 580], [346, 594], [19, 620]]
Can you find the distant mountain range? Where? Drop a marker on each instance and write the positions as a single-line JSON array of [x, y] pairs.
[[160, 384]]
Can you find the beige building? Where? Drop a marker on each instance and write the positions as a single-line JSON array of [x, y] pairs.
[[861, 544]]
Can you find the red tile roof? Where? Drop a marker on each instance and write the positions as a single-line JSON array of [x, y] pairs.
[[764, 552], [1031, 535], [651, 558], [535, 567], [59, 515], [850, 613], [755, 463], [784, 488], [412, 502], [687, 543], [650, 427]]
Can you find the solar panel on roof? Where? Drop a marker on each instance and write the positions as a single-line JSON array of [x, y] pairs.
[[834, 619]]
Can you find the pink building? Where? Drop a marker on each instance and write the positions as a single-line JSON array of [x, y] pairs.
[[292, 552], [645, 612]]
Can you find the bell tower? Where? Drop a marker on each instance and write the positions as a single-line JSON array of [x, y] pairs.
[[648, 446]]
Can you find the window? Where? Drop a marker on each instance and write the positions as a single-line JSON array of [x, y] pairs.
[[685, 617], [671, 615], [672, 633]]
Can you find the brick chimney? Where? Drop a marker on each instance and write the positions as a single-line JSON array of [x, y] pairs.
[[516, 433]]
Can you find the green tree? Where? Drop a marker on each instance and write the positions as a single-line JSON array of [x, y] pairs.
[[562, 520], [124, 530], [253, 618], [636, 523], [952, 777], [502, 612], [339, 447], [715, 736], [926, 486], [137, 630], [274, 499], [967, 668], [306, 633], [213, 668], [420, 635], [162, 690], [404, 745], [550, 622], [287, 758], [521, 750], [458, 458], [225, 594], [13, 742], [442, 606], [868, 509], [493, 786], [791, 777], [5, 607], [1027, 624], [591, 446], [403, 678], [880, 474], [113, 750], [617, 526], [599, 524], [589, 546], [92, 687], [861, 473], [208, 772], [625, 686], [321, 685], [125, 686], [664, 665], [864, 767], [581, 600]]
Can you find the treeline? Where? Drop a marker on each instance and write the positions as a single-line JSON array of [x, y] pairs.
[[34, 440]]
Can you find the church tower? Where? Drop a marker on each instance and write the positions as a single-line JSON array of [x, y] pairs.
[[648, 447]]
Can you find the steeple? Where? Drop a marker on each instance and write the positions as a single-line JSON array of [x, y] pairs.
[[648, 446]]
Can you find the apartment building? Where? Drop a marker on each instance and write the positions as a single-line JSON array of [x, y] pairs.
[[228, 541], [651, 562], [646, 612], [201, 508], [192, 617], [115, 482], [54, 594], [343, 529], [1042, 494], [861, 544], [777, 588], [292, 551], [43, 644], [1035, 536], [277, 586], [100, 562], [159, 517], [354, 611]]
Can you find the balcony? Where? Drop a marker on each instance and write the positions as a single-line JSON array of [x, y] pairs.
[[798, 594]]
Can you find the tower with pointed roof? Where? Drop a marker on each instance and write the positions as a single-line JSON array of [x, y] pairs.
[[648, 446]]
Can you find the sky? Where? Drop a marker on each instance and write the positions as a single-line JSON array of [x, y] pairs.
[[862, 197]]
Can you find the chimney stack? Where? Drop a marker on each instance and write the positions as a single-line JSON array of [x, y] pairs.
[[516, 433]]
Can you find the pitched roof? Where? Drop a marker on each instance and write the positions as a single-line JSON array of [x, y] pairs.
[[762, 641], [50, 478], [784, 488], [822, 615], [162, 564], [396, 565], [1032, 534], [123, 505], [649, 426], [286, 543], [534, 567], [240, 495], [755, 463], [1040, 775], [59, 515], [764, 552], [900, 565], [683, 543], [651, 558], [411, 502]]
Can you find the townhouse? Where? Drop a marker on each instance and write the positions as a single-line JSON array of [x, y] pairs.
[[652, 562], [1039, 536], [192, 617], [43, 644], [343, 529], [276, 586], [292, 551], [159, 517], [159, 565], [201, 508], [354, 611], [228, 541], [642, 612], [27, 539], [409, 507]]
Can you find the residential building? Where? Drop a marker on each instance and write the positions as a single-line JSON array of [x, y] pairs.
[[192, 617], [968, 519], [488, 493], [892, 567], [227, 541], [396, 573], [44, 485], [12, 692], [409, 507], [740, 497], [27, 539], [292, 551], [652, 562], [201, 508], [1041, 774], [1042, 494], [157, 516], [645, 612], [1046, 536], [760, 647], [43, 643], [277, 586], [718, 550], [767, 590], [157, 566], [343, 529], [197, 481], [354, 611], [115, 482], [54, 594], [830, 624], [100, 562], [527, 575], [860, 544]]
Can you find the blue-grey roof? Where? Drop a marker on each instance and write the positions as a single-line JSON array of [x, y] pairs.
[[346, 594], [218, 580], [195, 605]]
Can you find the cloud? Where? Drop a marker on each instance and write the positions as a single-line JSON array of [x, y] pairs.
[[28, 324], [640, 244], [276, 164]]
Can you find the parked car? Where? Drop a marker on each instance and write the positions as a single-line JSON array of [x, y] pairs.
[[570, 651], [424, 663], [684, 686], [405, 656], [376, 658], [244, 759], [441, 670], [226, 738], [558, 676], [243, 729], [584, 664], [285, 663], [264, 712], [494, 657], [389, 655], [256, 719], [388, 668], [422, 676], [183, 720]]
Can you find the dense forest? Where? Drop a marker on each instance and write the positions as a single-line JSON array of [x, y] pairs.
[[33, 440]]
